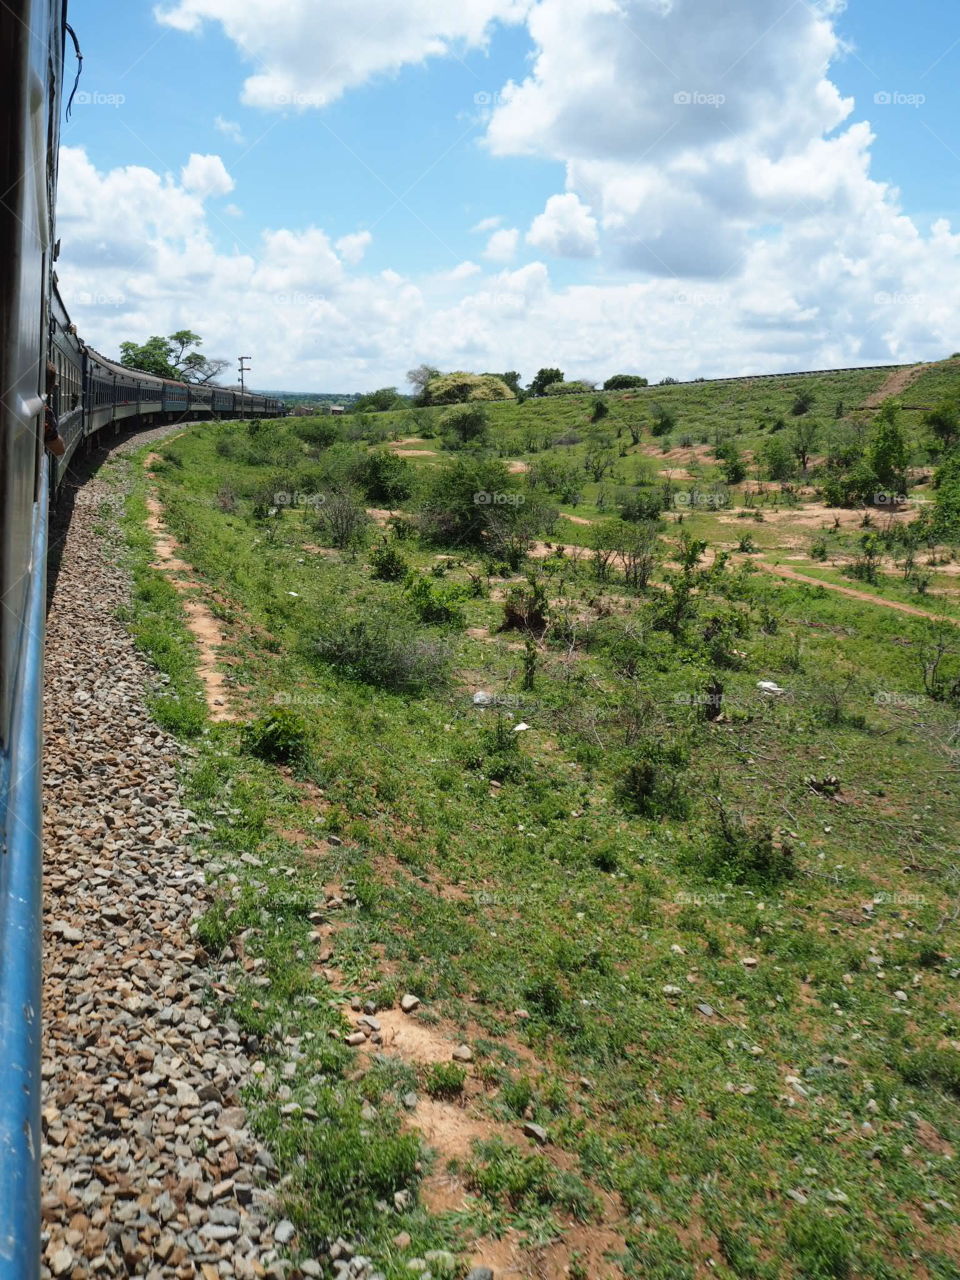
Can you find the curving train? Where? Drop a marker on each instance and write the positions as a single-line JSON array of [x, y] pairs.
[[92, 392], [83, 394]]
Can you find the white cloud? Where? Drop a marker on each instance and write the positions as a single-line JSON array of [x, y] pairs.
[[566, 228], [207, 176], [351, 248], [486, 225], [857, 284], [308, 58], [229, 128], [502, 245]]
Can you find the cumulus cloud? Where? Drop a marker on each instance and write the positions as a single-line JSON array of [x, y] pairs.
[[486, 225], [308, 59], [207, 176], [502, 245], [566, 228], [351, 248]]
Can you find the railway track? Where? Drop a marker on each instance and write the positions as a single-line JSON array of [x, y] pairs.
[[149, 1167]]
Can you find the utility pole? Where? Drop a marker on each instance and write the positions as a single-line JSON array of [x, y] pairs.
[[244, 361]]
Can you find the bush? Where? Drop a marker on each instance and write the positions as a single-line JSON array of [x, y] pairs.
[[459, 499], [651, 783], [384, 477], [387, 563], [498, 755], [465, 424], [434, 604], [342, 521], [742, 854], [319, 432], [568, 389], [384, 650], [664, 420], [624, 381], [280, 737], [444, 1080], [526, 608]]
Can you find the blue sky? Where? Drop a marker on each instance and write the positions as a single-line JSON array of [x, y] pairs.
[[417, 150]]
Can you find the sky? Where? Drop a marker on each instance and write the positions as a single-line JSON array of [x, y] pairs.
[[344, 189]]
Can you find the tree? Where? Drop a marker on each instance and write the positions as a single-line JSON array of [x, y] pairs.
[[888, 453], [459, 387], [944, 422], [543, 379], [378, 401], [465, 424], [420, 378], [777, 459], [664, 420], [803, 438], [624, 382], [171, 357], [802, 404]]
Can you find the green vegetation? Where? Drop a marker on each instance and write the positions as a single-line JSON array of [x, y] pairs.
[[668, 841]]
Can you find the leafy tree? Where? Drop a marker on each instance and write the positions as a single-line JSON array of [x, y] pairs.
[[732, 466], [803, 438], [888, 454], [579, 388], [543, 379], [458, 499], [777, 458], [664, 420], [172, 357], [378, 401], [465, 424], [384, 477], [460, 387], [946, 514], [624, 382], [803, 403], [944, 422], [669, 382]]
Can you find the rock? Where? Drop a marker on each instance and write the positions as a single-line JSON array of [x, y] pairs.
[[706, 1009], [409, 1002], [483, 699], [536, 1132], [355, 1039], [480, 1273], [770, 688], [62, 1261], [672, 992], [410, 1100], [284, 1231], [402, 1240], [441, 1261], [462, 1053]]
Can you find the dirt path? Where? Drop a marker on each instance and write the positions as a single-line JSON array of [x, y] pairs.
[[202, 623], [783, 571], [895, 385]]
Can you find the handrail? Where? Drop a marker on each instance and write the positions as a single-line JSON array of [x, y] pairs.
[[20, 935]]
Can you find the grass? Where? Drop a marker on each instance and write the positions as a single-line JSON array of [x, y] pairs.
[[708, 956]]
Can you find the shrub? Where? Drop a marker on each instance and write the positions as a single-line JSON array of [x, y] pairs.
[[568, 389], [933, 1069], [641, 505], [743, 854], [497, 754], [387, 563], [384, 650], [319, 432], [803, 403], [624, 381], [651, 783], [433, 604], [664, 420], [444, 1080], [342, 521], [459, 498], [384, 477], [465, 424], [526, 608], [280, 737]]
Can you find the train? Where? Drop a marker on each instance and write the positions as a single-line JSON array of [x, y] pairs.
[[48, 376]]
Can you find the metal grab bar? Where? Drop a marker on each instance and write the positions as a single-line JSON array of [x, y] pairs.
[[20, 935]]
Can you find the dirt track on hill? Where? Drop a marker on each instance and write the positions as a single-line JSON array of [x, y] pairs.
[[784, 572], [895, 385]]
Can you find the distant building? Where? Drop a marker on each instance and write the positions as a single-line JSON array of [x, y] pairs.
[[337, 410]]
